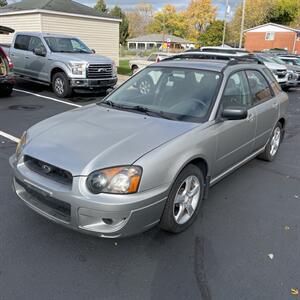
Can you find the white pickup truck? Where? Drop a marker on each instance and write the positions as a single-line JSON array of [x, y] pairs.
[[64, 62]]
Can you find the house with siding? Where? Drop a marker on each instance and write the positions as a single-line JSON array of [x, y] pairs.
[[270, 36], [100, 32]]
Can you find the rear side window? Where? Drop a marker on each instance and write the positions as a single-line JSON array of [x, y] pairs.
[[259, 86], [274, 84], [22, 42], [35, 42]]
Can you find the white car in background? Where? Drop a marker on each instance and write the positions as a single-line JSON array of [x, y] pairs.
[[139, 64], [280, 71]]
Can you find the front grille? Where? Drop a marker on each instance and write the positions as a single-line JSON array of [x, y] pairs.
[[59, 209], [99, 71], [281, 73], [48, 170]]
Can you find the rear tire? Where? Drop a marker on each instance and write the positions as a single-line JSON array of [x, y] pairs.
[[273, 145], [134, 69], [184, 201], [61, 85], [6, 92]]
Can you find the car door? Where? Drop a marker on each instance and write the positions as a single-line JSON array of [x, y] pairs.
[[235, 138], [36, 65], [18, 52], [267, 106]]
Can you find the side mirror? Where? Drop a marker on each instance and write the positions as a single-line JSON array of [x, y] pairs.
[[40, 51], [235, 113], [94, 51]]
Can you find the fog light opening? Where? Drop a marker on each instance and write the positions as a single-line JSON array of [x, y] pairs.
[[108, 221]]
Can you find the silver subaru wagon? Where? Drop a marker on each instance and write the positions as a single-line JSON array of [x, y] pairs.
[[148, 153]]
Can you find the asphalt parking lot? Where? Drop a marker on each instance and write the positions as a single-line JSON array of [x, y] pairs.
[[244, 245]]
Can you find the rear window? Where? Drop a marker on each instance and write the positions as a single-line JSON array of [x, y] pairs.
[[274, 84], [22, 42]]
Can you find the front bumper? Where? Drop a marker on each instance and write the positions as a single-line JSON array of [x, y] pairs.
[[80, 83], [104, 215]]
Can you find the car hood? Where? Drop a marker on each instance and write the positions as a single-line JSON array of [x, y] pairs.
[[94, 137], [81, 57], [274, 66]]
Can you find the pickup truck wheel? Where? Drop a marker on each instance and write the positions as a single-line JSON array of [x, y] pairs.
[[184, 201], [273, 145], [61, 85]]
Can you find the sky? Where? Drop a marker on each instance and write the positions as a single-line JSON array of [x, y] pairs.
[[158, 4]]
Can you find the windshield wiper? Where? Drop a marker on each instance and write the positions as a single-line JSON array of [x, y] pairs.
[[139, 108]]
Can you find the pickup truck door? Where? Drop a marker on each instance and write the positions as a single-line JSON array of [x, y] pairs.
[[235, 138], [17, 53], [36, 64]]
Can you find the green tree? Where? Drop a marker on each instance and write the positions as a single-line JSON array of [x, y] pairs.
[[168, 21], [213, 35], [199, 14], [285, 11], [101, 7], [124, 26], [3, 3]]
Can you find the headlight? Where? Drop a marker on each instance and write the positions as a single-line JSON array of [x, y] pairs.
[[78, 68], [274, 71], [115, 69], [21, 144], [118, 180]]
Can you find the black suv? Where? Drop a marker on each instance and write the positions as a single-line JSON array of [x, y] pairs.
[[7, 80]]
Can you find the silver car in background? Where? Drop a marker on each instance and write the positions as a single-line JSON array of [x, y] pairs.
[[148, 153]]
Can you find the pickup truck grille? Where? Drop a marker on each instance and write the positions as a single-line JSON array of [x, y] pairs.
[[99, 71], [48, 170], [281, 73]]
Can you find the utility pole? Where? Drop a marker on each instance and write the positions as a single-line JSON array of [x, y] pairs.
[[225, 23], [242, 24]]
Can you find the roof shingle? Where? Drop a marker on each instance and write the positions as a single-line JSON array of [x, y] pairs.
[[66, 6]]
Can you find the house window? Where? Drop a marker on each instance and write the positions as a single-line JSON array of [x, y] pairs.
[[270, 36]]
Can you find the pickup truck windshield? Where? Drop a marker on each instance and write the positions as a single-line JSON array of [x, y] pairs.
[[66, 45]]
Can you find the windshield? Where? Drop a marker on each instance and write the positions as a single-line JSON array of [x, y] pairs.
[[267, 59], [66, 45], [173, 93], [278, 60]]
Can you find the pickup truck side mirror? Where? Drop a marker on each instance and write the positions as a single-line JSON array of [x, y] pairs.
[[235, 113], [40, 51]]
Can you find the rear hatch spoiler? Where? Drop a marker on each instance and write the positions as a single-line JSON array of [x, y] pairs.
[[6, 30]]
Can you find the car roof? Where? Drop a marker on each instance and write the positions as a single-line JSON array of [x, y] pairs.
[[201, 64], [45, 34]]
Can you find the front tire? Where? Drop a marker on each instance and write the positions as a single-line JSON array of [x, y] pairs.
[[273, 145], [184, 201], [61, 85]]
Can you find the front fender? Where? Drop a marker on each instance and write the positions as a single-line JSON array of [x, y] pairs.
[[162, 165], [62, 66]]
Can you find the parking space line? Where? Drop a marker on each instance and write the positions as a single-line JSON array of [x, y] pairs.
[[48, 98], [9, 137]]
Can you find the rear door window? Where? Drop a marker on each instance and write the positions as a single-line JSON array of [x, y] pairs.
[[22, 42], [259, 86], [35, 42]]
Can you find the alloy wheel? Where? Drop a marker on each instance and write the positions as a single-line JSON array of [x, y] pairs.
[[186, 200], [275, 141]]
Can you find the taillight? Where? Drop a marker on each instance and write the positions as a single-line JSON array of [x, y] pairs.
[[10, 63]]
